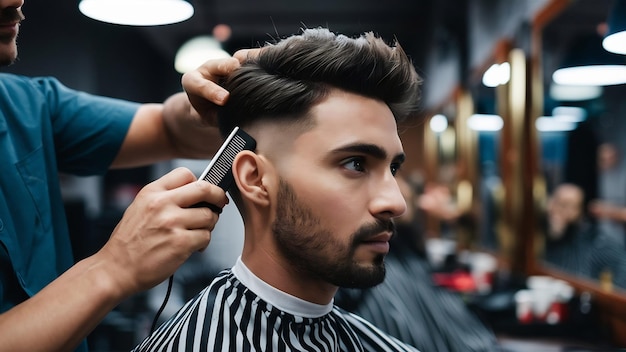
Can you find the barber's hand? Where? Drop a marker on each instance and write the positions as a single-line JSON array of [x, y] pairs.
[[202, 84], [161, 229]]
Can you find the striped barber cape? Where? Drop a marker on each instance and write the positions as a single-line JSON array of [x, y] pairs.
[[239, 312]]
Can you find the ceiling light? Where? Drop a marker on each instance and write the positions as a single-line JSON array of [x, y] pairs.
[[438, 123], [569, 113], [615, 40], [561, 92], [550, 124], [137, 12], [592, 75], [497, 74], [615, 43], [485, 122], [588, 63], [196, 51]]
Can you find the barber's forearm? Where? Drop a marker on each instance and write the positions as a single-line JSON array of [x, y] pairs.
[[146, 141], [60, 316], [166, 131], [190, 135]]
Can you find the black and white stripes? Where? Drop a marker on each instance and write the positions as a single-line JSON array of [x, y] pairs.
[[228, 316], [408, 306]]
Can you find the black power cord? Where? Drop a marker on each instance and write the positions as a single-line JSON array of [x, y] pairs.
[[170, 283]]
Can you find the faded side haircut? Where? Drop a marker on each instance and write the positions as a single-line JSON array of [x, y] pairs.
[[289, 77]]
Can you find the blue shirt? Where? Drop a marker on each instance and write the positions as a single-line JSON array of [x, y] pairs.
[[46, 128]]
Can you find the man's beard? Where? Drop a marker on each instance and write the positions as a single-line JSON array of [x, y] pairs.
[[313, 251], [9, 15]]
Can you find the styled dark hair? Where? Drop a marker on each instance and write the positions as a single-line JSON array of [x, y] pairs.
[[287, 78]]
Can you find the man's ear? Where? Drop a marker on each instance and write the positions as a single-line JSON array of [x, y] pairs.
[[249, 172]]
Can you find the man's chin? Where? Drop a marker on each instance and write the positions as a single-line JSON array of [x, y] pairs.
[[363, 284], [366, 276], [8, 58]]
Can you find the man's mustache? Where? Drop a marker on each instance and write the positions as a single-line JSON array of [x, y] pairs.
[[11, 14], [373, 229]]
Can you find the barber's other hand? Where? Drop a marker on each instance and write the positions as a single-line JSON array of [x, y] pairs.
[[160, 230], [202, 84]]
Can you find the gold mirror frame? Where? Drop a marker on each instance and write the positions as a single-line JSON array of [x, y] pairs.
[[611, 305]]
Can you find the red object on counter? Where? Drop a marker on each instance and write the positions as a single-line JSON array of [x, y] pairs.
[[460, 281]]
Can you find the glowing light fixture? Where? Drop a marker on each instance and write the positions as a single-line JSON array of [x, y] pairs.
[[588, 64], [485, 122], [497, 74], [615, 43], [550, 124], [137, 12], [438, 123], [574, 93], [196, 51], [615, 40], [592, 75], [573, 114]]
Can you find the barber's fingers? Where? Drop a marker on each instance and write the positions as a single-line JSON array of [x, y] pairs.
[[203, 81], [174, 179], [186, 191], [200, 217], [191, 194], [246, 54], [199, 239]]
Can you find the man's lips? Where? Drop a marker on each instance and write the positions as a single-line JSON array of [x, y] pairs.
[[378, 243], [9, 24], [383, 237], [9, 27]]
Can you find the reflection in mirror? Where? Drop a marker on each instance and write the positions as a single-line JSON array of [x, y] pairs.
[[496, 122], [581, 135], [438, 201], [447, 198], [486, 122]]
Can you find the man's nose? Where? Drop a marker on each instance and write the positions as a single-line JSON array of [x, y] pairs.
[[388, 200]]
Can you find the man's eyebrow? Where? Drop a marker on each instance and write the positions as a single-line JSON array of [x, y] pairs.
[[369, 149]]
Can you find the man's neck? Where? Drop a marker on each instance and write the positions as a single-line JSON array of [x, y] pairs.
[[278, 298], [279, 273]]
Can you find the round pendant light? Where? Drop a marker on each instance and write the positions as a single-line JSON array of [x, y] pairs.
[[137, 12]]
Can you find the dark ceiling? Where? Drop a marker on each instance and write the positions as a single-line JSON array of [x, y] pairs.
[[137, 63], [56, 34], [254, 22]]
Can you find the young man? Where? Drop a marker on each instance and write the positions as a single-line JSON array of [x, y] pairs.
[[575, 244], [46, 301], [317, 197]]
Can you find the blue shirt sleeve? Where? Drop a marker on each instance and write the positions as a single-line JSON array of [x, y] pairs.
[[88, 130]]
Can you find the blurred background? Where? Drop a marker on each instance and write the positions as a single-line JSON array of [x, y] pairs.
[[501, 128]]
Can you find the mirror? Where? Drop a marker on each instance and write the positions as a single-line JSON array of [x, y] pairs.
[[437, 200], [463, 142], [440, 151], [448, 202], [497, 92], [485, 123], [580, 133]]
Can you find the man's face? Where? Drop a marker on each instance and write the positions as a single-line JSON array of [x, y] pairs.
[[564, 209], [607, 156], [338, 193], [10, 17]]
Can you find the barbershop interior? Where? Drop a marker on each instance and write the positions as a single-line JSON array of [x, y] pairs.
[[515, 164]]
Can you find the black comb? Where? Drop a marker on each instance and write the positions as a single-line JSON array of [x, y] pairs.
[[219, 171]]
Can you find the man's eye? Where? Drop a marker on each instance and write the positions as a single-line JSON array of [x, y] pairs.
[[356, 164], [395, 167]]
